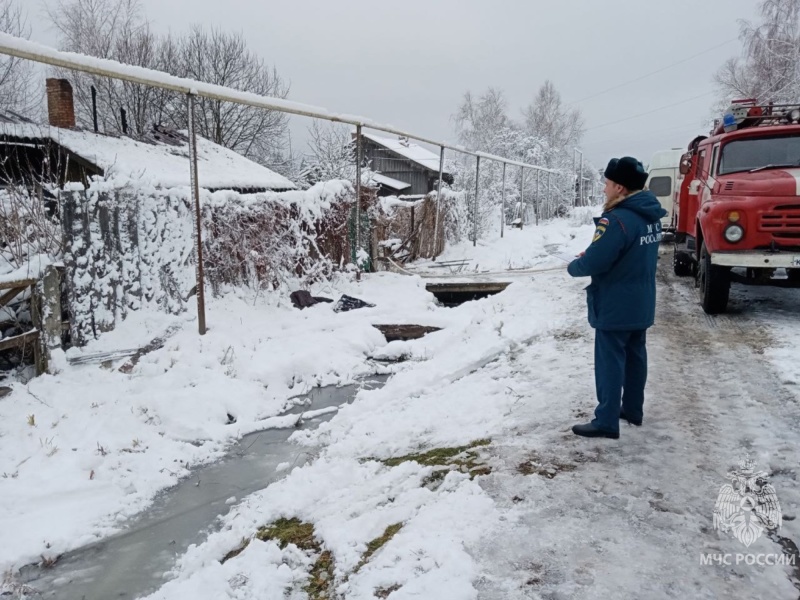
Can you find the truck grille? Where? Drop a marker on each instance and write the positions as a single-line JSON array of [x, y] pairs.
[[782, 221]]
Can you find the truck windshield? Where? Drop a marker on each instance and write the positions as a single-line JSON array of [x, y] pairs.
[[760, 153]]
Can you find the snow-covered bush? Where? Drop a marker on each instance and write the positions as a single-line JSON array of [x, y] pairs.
[[28, 228], [131, 245], [30, 240], [275, 241], [583, 215]]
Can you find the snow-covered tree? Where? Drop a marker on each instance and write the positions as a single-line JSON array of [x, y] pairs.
[[559, 129], [545, 137], [332, 155], [331, 152], [769, 68]]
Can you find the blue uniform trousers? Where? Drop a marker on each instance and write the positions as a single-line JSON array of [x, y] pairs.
[[620, 372]]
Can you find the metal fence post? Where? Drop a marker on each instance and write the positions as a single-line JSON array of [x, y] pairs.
[[503, 213], [536, 202], [548, 196], [358, 201], [576, 193], [585, 192], [581, 181], [201, 297], [521, 198], [477, 188], [438, 199]]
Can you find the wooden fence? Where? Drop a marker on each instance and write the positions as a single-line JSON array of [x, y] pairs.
[[45, 308]]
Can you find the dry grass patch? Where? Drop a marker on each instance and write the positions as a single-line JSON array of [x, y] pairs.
[[294, 531], [465, 459]]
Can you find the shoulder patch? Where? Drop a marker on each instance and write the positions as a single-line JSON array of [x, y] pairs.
[[598, 233], [603, 221]]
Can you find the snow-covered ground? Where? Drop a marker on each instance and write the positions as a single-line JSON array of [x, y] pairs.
[[546, 515]]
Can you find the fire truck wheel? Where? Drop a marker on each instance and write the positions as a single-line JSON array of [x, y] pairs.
[[714, 283], [682, 264]]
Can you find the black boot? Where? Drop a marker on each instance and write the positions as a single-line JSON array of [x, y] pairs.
[[623, 417], [589, 430]]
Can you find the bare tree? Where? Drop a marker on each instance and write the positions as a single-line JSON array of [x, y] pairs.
[[145, 106], [770, 66], [735, 80], [114, 29], [95, 26], [16, 90], [118, 29], [224, 59]]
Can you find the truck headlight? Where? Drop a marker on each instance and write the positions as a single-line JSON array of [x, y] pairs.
[[734, 233]]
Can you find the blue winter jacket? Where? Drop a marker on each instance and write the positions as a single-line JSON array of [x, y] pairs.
[[621, 261]]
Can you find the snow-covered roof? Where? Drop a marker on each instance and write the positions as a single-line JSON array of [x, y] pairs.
[[413, 152], [162, 158], [395, 184]]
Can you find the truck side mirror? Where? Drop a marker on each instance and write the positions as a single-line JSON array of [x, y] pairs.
[[685, 164]]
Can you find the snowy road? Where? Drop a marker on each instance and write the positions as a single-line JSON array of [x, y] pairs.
[[630, 519]]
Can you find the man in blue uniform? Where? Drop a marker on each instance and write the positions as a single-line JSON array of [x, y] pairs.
[[621, 298]]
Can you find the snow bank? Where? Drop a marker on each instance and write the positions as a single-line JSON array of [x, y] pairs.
[[444, 399], [85, 449], [80, 459], [515, 368]]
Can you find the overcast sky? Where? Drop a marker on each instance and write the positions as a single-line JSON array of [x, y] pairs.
[[409, 63]]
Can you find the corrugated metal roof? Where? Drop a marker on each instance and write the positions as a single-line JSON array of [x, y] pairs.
[[409, 150]]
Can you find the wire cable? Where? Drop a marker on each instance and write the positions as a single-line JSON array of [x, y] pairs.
[[650, 112], [661, 70]]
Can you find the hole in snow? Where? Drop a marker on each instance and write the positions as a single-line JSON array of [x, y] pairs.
[[394, 333], [455, 294]]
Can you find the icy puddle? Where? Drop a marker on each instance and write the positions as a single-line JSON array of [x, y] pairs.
[[132, 563]]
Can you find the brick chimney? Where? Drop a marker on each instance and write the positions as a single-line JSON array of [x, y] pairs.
[[60, 106]]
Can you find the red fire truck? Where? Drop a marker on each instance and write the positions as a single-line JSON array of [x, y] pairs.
[[738, 213]]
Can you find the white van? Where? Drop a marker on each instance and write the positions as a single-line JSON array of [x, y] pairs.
[[664, 180]]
